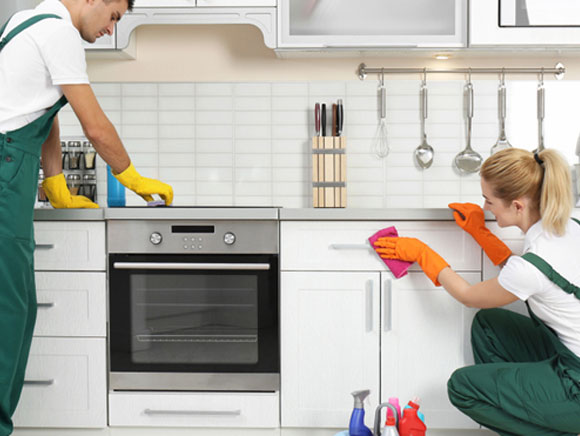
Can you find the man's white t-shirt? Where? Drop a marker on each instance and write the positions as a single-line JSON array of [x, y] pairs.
[[559, 310], [36, 62]]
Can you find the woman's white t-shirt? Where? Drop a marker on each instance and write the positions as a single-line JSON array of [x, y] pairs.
[[33, 65], [559, 310]]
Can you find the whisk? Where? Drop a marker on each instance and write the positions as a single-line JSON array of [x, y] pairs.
[[380, 144]]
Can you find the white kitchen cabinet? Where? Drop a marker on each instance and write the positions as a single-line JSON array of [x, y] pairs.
[[372, 24], [202, 3], [164, 3], [532, 23], [330, 345], [346, 324], [106, 42], [66, 377], [65, 384], [425, 336]]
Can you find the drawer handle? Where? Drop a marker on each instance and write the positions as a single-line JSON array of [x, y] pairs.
[[44, 246], [369, 305], [44, 305], [39, 382], [350, 247], [152, 412]]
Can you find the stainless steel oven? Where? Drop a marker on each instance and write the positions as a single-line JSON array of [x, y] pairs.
[[193, 304]]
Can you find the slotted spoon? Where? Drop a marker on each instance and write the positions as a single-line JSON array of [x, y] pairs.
[[424, 152], [502, 143]]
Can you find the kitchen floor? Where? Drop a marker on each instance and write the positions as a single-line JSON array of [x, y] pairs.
[[214, 432]]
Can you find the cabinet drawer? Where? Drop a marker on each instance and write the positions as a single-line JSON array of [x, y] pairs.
[[68, 245], [194, 409], [340, 245], [71, 304], [65, 384]]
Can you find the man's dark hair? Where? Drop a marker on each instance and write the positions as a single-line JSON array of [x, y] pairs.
[[130, 3]]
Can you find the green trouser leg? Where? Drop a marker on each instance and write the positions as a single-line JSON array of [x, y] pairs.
[[17, 316], [515, 388]]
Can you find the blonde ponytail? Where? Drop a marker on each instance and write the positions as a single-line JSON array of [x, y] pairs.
[[516, 173]]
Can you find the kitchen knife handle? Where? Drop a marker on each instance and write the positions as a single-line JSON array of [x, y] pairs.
[[317, 118], [339, 118], [334, 120], [323, 120]]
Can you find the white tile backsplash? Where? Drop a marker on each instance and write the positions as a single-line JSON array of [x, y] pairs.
[[249, 143]]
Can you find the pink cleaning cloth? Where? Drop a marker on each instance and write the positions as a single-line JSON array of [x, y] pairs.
[[398, 267]]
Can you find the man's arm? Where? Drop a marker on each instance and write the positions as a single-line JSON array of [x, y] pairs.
[[51, 152], [97, 127]]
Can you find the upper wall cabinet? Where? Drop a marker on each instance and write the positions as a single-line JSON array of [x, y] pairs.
[[533, 23], [260, 13], [327, 24]]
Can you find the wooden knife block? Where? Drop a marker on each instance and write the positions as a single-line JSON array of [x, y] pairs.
[[329, 171]]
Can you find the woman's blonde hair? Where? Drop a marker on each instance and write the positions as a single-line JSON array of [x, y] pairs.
[[515, 173]]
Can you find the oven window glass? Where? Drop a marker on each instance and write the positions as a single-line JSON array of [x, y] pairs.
[[194, 319]]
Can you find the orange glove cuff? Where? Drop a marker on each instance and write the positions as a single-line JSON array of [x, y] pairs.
[[432, 264], [494, 248]]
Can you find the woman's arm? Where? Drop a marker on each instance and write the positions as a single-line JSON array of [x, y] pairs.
[[482, 295]]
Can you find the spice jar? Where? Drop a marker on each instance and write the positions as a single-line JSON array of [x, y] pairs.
[[74, 155], [89, 155], [74, 182], [89, 187], [64, 151]]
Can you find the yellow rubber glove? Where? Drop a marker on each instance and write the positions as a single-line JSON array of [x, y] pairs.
[[144, 186], [412, 250], [60, 197], [470, 218]]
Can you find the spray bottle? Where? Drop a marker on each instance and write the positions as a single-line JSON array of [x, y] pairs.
[[357, 425]]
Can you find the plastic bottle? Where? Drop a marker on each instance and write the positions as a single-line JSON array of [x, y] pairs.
[[395, 402], [410, 424], [390, 428], [415, 405], [357, 425], [115, 190]]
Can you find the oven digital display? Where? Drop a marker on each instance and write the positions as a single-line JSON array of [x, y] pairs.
[[192, 229]]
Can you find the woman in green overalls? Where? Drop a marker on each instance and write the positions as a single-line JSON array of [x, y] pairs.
[[20, 151], [526, 377]]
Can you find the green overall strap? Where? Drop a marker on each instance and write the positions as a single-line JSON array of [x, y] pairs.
[[22, 26], [552, 274]]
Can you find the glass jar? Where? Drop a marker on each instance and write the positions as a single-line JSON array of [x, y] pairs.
[[89, 187], [89, 155], [74, 155], [42, 198], [74, 183]]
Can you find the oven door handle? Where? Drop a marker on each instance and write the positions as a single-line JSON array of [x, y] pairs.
[[191, 266], [152, 412]]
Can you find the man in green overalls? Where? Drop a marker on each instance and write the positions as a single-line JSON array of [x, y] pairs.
[[526, 377], [37, 48]]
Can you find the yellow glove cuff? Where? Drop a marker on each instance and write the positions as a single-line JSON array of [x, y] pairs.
[[60, 197]]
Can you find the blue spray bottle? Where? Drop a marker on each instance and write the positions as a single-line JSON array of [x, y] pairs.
[[357, 419]]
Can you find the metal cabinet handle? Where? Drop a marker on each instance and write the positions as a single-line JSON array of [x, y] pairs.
[[44, 246], [191, 266], [153, 412], [369, 305], [39, 382], [388, 306], [44, 305]]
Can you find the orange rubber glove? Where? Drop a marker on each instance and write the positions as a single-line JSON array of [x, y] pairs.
[[144, 186], [412, 250], [60, 197], [470, 218]]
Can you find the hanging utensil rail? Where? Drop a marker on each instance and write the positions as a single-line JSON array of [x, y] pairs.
[[558, 71]]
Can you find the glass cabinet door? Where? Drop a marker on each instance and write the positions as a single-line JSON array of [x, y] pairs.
[[372, 23]]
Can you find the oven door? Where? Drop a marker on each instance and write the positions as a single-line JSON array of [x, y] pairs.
[[195, 322]]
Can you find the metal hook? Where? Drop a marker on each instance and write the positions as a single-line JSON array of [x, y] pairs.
[[382, 77], [502, 79], [542, 76], [424, 76], [469, 76]]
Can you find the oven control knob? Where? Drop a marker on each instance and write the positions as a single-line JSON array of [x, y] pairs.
[[229, 238], [155, 238]]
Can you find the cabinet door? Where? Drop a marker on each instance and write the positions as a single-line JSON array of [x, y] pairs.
[[235, 3], [425, 336], [375, 23], [163, 3], [330, 346], [65, 384]]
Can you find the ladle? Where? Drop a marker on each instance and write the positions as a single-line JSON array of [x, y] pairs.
[[502, 143], [424, 152], [541, 110], [468, 161]]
